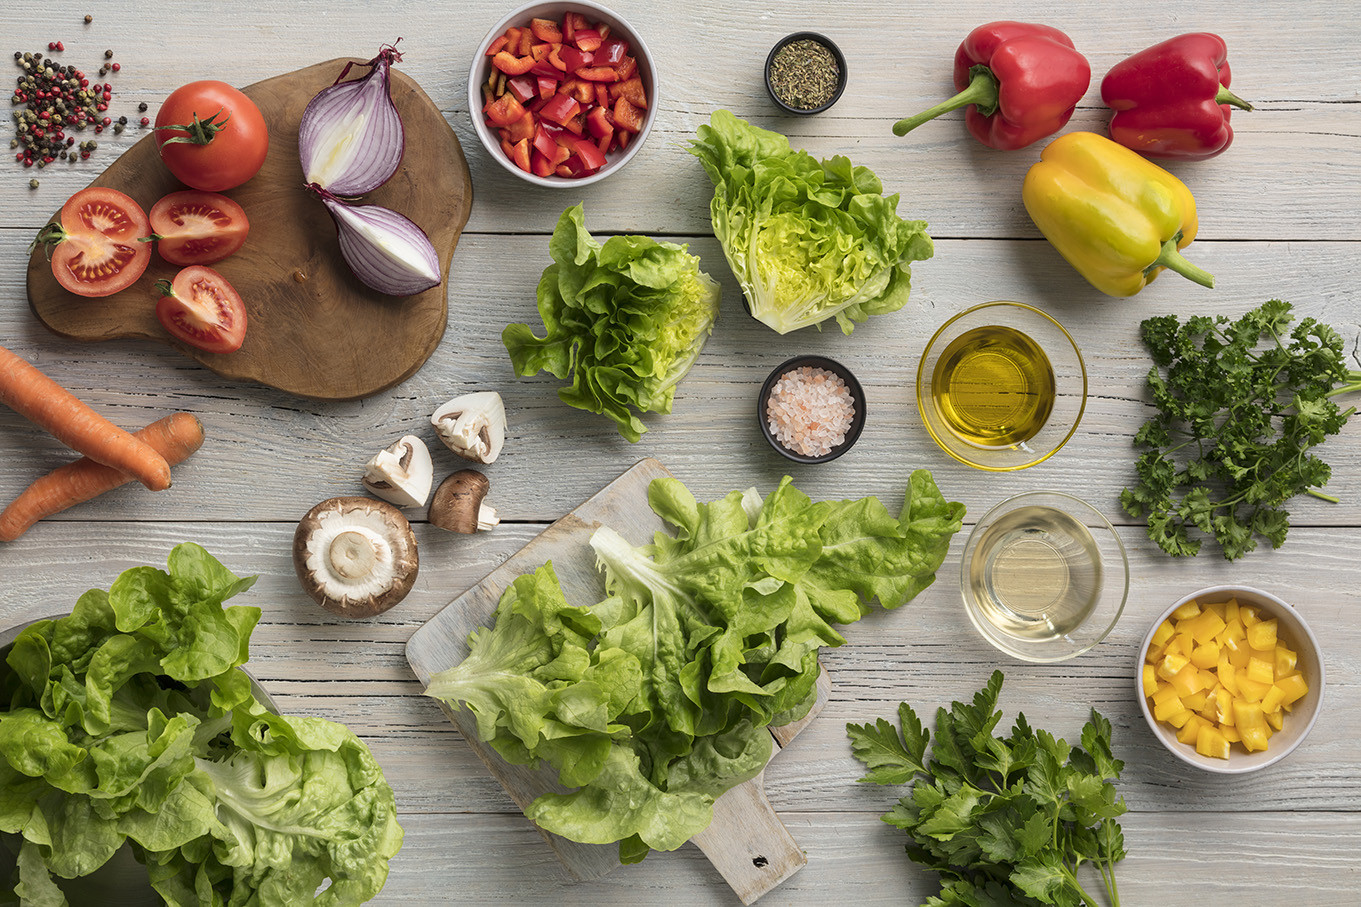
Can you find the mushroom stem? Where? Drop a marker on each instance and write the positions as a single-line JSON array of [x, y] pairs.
[[486, 518], [352, 554]]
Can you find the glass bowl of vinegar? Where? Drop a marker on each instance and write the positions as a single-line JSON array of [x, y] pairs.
[[1001, 386]]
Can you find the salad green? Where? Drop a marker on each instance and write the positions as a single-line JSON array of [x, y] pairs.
[[807, 239], [655, 701], [626, 320], [128, 721]]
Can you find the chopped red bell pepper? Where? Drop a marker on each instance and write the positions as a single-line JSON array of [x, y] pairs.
[[626, 116], [627, 67], [546, 30], [1019, 82], [587, 39], [540, 52], [598, 74], [584, 92], [523, 128], [1172, 100], [632, 91], [540, 165], [604, 30], [599, 122], [544, 142], [560, 109], [512, 65], [571, 24], [520, 155], [547, 87], [555, 57], [504, 110], [602, 95], [545, 69], [592, 158], [523, 87], [497, 45], [573, 59], [611, 52]]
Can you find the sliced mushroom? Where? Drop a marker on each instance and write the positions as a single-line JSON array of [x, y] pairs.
[[401, 474], [458, 503], [355, 556], [473, 426]]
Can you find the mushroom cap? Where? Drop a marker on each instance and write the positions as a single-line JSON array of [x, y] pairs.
[[355, 556], [458, 500]]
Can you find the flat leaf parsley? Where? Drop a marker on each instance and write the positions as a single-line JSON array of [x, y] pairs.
[[1236, 419], [1004, 820]]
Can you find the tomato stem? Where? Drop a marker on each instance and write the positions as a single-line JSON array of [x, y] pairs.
[[200, 132], [163, 287], [48, 237]]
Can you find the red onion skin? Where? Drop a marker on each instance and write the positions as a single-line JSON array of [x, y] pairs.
[[379, 166]]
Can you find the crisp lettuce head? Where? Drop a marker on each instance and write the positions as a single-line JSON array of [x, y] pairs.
[[625, 320], [808, 240]]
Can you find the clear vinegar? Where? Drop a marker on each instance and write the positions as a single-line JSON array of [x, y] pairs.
[[1036, 573], [993, 387]]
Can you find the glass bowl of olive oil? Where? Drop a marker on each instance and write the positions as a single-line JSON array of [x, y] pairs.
[[1001, 386], [1044, 576]]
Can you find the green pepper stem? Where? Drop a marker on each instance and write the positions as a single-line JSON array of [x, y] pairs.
[[1171, 259], [982, 93], [1224, 96]]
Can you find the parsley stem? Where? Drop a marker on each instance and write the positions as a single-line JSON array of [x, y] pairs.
[[1077, 887], [1321, 496]]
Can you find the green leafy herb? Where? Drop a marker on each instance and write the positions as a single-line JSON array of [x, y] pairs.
[[1236, 420], [626, 320], [654, 702], [128, 721], [807, 239], [1004, 820]]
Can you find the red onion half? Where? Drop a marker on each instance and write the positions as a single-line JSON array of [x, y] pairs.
[[384, 249], [350, 138]]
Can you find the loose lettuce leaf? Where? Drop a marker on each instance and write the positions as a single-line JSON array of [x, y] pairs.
[[625, 320], [808, 240], [709, 635]]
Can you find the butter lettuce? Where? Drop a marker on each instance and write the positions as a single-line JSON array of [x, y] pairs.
[[128, 721], [654, 702], [808, 240], [625, 320]]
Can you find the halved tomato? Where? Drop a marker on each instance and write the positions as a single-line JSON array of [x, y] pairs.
[[201, 308], [197, 228], [95, 249]]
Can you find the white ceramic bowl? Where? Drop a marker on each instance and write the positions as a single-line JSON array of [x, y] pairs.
[[594, 12], [1297, 722]]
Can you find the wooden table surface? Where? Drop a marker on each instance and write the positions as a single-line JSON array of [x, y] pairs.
[[1279, 218]]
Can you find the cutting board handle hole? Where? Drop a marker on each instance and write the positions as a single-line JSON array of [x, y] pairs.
[[760, 862]]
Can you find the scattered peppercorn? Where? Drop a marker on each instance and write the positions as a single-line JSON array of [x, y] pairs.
[[33, 184], [146, 121], [117, 66], [108, 55], [89, 19], [142, 107]]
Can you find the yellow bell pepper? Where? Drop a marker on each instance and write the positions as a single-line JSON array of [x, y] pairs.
[[1117, 218]]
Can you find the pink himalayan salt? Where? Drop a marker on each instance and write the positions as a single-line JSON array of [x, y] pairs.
[[810, 410]]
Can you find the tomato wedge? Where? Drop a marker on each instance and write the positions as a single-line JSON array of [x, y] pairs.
[[197, 228], [95, 249], [201, 308]]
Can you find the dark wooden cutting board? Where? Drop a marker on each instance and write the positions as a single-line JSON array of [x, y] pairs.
[[312, 328]]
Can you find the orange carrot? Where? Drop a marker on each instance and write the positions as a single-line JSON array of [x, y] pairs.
[[42, 401], [175, 437]]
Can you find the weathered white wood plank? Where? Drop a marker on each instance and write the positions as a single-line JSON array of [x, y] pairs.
[[1218, 859], [925, 653], [272, 456], [1294, 63]]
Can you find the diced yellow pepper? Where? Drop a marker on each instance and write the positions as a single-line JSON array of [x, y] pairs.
[[1150, 680], [1292, 687], [1187, 681], [1209, 711], [1228, 675], [1188, 610], [1275, 719], [1230, 610], [1216, 607], [1168, 707], [1191, 729], [1163, 633], [1171, 665], [1261, 670], [1196, 701], [1230, 733], [1183, 643], [1203, 628], [1251, 724], [1239, 655], [1206, 655], [1285, 660], [1250, 690], [1271, 702], [1263, 635], [1179, 719], [1235, 631], [1248, 615], [1210, 742], [1164, 692]]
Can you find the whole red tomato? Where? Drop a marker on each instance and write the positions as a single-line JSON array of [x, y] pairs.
[[211, 136]]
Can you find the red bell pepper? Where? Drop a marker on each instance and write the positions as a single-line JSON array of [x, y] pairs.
[[1172, 100], [512, 65], [1020, 82]]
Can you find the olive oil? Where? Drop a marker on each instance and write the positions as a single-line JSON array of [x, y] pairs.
[[1036, 573], [993, 387]]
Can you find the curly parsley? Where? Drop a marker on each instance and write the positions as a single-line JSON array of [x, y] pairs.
[[1003, 820], [1236, 420]]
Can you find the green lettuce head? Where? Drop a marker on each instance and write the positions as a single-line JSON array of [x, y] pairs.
[[808, 240], [626, 320]]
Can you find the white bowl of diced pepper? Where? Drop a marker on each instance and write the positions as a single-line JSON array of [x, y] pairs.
[[1230, 679]]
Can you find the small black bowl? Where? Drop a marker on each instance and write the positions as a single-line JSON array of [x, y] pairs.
[[836, 368], [841, 79]]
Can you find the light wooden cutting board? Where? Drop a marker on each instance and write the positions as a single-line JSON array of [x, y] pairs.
[[747, 843]]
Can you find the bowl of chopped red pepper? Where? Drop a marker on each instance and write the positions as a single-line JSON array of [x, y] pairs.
[[562, 94]]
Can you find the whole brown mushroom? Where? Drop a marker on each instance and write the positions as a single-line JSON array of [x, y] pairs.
[[355, 556]]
